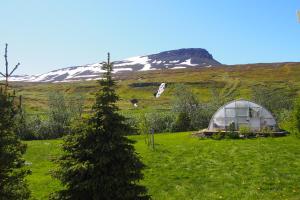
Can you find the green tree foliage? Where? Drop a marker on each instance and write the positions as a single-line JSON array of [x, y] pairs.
[[59, 114], [63, 111], [159, 122], [190, 110], [99, 162], [279, 101], [13, 185], [274, 99], [296, 113], [182, 123], [186, 105], [185, 100]]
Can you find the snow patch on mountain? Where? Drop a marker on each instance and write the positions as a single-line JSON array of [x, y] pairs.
[[179, 67], [146, 67], [188, 62]]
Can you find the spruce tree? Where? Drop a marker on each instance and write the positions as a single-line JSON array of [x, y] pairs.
[[12, 174], [99, 161]]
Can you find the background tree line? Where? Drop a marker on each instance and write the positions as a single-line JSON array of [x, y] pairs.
[[187, 113], [63, 112]]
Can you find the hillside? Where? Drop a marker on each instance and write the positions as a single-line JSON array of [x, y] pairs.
[[185, 167], [142, 85], [173, 59]]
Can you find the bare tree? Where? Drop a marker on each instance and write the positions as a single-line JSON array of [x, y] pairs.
[[7, 74]]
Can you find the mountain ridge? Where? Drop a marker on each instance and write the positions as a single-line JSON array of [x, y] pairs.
[[172, 59]]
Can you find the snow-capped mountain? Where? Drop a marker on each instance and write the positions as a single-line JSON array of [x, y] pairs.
[[174, 59]]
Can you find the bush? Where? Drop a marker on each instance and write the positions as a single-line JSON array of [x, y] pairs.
[[218, 136], [201, 116], [55, 123], [296, 116], [267, 131], [233, 135], [59, 114], [185, 100], [188, 109], [286, 121], [245, 131], [158, 122], [182, 123], [274, 99]]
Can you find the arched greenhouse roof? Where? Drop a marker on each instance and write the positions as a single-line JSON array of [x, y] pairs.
[[242, 113]]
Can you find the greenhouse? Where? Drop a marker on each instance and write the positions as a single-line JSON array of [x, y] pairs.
[[240, 113]]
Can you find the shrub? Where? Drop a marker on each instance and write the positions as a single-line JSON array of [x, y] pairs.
[[159, 122], [185, 100], [59, 114], [188, 109], [182, 123], [296, 115], [267, 131], [286, 121], [245, 131], [274, 99], [55, 123], [232, 135], [218, 136], [201, 116]]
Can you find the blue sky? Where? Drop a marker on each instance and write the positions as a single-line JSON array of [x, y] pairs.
[[46, 35]]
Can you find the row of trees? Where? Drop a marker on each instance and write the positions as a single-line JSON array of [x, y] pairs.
[[189, 113], [57, 121]]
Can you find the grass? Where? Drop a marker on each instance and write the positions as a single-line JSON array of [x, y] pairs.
[[185, 167], [239, 79], [38, 157]]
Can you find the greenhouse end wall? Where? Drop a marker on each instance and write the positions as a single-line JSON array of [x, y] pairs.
[[240, 113]]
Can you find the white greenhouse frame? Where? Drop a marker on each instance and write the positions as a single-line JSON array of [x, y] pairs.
[[242, 113]]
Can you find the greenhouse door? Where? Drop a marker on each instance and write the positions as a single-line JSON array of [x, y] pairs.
[[242, 115]]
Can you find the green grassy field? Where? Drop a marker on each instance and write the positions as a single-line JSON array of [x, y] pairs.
[[186, 167]]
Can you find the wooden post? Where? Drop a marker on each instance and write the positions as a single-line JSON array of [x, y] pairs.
[[152, 138]]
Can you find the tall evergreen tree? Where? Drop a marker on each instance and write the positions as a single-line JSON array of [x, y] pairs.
[[99, 161], [12, 174]]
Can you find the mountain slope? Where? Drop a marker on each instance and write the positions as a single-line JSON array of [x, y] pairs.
[[174, 59]]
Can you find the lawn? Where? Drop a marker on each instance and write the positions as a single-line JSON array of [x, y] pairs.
[[186, 167]]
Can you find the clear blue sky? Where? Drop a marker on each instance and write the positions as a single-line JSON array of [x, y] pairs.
[[46, 35]]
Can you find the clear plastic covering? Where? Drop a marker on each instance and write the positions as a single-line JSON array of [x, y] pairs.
[[240, 113]]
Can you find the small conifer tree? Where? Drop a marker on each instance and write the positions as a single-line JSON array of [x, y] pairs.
[[99, 162], [12, 173]]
